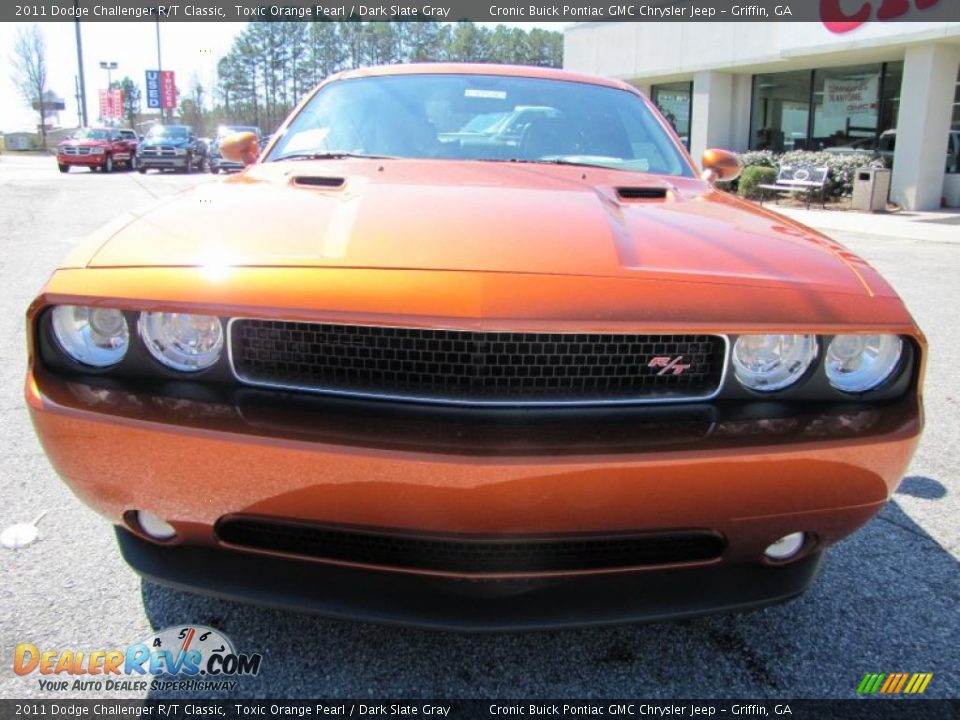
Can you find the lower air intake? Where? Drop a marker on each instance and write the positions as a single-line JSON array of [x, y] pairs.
[[471, 555]]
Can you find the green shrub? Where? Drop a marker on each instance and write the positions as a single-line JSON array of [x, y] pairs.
[[758, 158], [843, 167], [752, 177]]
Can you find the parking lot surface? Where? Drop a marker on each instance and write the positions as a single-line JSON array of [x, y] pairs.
[[887, 600]]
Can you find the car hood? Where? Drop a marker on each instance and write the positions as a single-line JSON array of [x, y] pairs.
[[84, 143], [175, 142], [483, 217]]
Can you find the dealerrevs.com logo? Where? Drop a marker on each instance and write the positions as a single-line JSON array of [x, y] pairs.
[[189, 658]]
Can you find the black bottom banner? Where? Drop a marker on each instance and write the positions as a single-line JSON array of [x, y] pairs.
[[867, 708]]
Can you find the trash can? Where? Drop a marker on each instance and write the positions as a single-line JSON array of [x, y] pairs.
[[871, 188]]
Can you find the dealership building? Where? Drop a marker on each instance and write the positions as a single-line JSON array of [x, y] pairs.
[[881, 86]]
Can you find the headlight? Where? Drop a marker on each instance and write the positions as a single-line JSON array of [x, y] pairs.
[[182, 341], [92, 336], [772, 362], [96, 151], [856, 363]]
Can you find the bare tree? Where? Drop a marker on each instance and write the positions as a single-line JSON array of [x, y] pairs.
[[29, 62]]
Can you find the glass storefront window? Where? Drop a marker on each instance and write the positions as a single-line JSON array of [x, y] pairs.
[[953, 148], [890, 102], [956, 105], [846, 106], [852, 108], [781, 108], [674, 100]]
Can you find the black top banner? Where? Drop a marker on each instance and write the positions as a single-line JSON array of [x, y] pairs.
[[827, 11]]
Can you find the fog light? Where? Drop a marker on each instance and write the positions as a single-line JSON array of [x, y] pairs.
[[155, 527], [786, 547]]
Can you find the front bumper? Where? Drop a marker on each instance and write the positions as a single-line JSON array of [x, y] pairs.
[[82, 160], [219, 163], [194, 461], [467, 605], [152, 163]]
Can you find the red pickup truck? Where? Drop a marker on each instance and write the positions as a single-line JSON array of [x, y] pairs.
[[98, 148]]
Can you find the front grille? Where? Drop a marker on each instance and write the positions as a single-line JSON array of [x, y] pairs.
[[471, 555], [76, 151], [161, 151], [476, 367]]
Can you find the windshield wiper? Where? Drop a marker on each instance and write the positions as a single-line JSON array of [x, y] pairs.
[[553, 161], [333, 155]]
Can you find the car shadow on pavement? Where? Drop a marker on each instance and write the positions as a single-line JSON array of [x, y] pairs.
[[885, 602]]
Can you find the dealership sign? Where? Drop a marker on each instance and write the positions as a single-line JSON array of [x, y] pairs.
[[111, 104], [850, 95], [161, 89], [839, 16]]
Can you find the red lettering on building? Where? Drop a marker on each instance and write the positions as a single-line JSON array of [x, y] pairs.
[[837, 21]]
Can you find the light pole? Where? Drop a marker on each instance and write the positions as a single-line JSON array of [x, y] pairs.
[[160, 69], [82, 118]]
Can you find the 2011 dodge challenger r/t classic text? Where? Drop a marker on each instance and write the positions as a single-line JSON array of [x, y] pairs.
[[475, 347]]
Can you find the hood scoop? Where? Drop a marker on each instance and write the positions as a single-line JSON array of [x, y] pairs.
[[641, 193], [318, 181]]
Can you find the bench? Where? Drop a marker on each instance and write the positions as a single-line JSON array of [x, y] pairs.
[[805, 179]]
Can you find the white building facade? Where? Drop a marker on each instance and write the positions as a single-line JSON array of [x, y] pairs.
[[892, 87]]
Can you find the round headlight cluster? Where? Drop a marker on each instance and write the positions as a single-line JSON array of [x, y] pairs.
[[93, 336], [772, 362], [182, 341], [99, 337], [857, 363]]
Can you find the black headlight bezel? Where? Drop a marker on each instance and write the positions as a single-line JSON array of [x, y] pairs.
[[137, 365], [141, 369], [813, 385]]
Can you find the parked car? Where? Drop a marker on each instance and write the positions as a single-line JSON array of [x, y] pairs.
[[217, 161], [98, 148], [380, 374], [885, 145], [171, 147], [498, 131]]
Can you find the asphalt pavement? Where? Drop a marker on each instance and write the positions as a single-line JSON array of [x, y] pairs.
[[887, 599]]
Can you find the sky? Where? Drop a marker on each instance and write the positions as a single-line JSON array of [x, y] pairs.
[[188, 48]]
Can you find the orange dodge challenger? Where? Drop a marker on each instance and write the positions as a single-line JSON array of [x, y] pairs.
[[475, 347]]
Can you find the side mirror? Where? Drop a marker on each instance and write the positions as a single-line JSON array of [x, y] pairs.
[[720, 165], [240, 147]]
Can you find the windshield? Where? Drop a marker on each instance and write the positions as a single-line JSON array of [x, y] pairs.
[[170, 131], [91, 134], [481, 117]]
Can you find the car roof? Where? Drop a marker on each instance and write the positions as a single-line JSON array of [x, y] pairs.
[[527, 71]]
